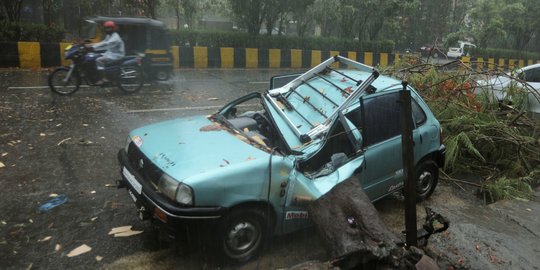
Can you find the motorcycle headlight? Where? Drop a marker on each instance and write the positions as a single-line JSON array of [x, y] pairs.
[[66, 50], [175, 191]]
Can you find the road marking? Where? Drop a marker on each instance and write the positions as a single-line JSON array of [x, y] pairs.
[[47, 87], [258, 82], [175, 109]]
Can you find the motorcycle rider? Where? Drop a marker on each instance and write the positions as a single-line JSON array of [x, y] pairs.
[[113, 46]]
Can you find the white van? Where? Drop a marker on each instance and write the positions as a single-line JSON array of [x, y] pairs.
[[463, 49]]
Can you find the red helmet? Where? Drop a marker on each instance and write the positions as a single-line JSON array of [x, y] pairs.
[[109, 24]]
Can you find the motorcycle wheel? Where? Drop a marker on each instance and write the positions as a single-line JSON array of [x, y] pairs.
[[162, 75], [130, 79], [61, 87]]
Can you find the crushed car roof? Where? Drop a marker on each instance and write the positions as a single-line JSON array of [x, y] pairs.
[[311, 102]]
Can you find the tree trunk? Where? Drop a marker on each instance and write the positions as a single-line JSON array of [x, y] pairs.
[[355, 236], [348, 222]]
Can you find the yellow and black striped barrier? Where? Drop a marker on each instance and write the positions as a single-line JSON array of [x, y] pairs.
[[481, 64], [43, 55], [223, 57]]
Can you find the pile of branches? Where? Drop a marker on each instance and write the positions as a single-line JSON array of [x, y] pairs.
[[487, 132]]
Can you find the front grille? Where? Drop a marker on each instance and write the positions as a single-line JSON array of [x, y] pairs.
[[148, 170]]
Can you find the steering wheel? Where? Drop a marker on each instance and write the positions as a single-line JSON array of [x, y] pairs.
[[262, 122]]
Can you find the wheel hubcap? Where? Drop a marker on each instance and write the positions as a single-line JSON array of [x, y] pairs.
[[424, 182], [242, 237]]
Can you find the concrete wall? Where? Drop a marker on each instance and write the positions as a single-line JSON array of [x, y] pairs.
[[43, 55]]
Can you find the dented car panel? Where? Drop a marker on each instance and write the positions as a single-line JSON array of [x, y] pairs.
[[275, 152], [167, 144]]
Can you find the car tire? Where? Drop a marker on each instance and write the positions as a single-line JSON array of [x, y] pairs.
[[242, 234], [427, 177]]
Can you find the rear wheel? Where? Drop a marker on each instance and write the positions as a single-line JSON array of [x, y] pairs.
[[130, 79], [162, 75], [61, 84], [427, 177], [242, 234]]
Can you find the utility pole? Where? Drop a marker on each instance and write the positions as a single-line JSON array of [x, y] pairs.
[[409, 173]]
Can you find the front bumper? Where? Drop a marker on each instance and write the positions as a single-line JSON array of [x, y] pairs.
[[150, 203]]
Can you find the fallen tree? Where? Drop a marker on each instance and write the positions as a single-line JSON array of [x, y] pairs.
[[491, 136], [355, 236]]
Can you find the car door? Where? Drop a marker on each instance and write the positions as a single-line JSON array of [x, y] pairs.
[[381, 134], [337, 160], [532, 77]]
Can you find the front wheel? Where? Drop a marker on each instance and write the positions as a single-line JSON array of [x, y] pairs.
[[427, 177], [130, 79], [64, 83], [242, 234]]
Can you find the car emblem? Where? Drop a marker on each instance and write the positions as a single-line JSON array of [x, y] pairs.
[[141, 163]]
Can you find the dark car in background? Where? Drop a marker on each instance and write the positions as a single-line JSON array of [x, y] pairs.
[[433, 50]]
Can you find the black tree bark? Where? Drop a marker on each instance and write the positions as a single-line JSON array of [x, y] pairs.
[[354, 234]]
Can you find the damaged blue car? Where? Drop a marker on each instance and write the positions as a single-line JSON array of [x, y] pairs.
[[253, 166]]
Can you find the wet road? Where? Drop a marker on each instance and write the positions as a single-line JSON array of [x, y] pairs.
[[67, 145]]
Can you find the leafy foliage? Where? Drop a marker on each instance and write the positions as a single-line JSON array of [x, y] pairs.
[[504, 53], [30, 32], [484, 136], [508, 188], [244, 40]]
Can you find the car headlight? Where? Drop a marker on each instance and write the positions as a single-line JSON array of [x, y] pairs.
[[184, 195], [179, 192]]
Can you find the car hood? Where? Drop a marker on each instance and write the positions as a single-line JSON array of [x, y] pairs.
[[193, 145]]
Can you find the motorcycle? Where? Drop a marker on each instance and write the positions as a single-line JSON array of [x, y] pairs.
[[125, 73]]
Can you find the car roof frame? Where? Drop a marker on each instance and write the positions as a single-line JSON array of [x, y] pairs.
[[359, 90]]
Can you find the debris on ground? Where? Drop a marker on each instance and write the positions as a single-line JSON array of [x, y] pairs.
[[2, 165], [85, 142], [56, 201], [99, 258], [57, 247], [63, 141], [79, 250], [47, 238], [123, 231]]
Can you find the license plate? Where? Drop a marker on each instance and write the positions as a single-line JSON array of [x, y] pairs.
[[131, 179], [132, 195]]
